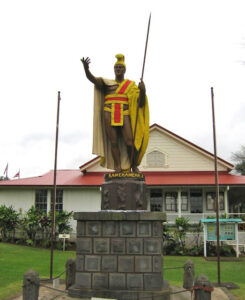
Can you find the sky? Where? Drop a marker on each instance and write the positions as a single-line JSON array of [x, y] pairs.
[[193, 45]]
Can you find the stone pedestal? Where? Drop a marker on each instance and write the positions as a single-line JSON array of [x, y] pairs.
[[124, 191], [119, 255]]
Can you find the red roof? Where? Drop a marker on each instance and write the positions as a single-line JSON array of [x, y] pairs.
[[64, 178], [76, 178], [192, 178]]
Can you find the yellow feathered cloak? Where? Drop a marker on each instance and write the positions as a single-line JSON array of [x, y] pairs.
[[101, 144]]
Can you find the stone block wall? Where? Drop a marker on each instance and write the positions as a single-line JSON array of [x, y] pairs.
[[119, 251]]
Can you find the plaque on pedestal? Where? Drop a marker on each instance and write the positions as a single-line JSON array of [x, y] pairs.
[[124, 191]]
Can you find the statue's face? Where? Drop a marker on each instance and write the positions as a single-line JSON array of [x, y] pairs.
[[119, 70]]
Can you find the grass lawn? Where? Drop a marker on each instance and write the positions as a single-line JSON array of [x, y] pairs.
[[230, 271], [16, 260]]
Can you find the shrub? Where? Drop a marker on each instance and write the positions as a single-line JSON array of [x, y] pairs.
[[174, 241], [225, 250], [62, 222], [37, 226], [197, 229], [9, 221], [31, 224], [182, 227]]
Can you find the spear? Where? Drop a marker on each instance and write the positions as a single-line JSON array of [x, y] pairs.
[[146, 44], [141, 79]]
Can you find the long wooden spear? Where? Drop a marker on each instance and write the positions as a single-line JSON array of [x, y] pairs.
[[146, 44], [141, 79]]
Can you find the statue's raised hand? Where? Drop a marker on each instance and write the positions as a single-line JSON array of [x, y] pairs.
[[86, 62]]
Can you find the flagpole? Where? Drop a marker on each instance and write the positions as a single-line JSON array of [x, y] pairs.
[[6, 171], [217, 187], [54, 189]]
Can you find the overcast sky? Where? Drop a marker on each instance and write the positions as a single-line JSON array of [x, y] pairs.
[[193, 45]]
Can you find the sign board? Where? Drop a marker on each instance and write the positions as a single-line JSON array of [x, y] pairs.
[[64, 236], [227, 232]]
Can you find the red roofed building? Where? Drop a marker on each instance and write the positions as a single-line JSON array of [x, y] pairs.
[[179, 178]]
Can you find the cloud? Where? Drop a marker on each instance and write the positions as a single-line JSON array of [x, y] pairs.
[[36, 138], [67, 138], [74, 137], [238, 117]]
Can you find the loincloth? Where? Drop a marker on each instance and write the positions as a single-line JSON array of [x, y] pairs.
[[117, 103]]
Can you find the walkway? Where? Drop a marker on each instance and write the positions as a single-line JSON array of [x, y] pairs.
[[49, 294]]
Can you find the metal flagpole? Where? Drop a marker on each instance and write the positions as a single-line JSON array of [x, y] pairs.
[[217, 187], [141, 79], [54, 190]]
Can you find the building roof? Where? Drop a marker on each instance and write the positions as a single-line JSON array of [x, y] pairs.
[[74, 178], [90, 163], [95, 161], [89, 176], [156, 126]]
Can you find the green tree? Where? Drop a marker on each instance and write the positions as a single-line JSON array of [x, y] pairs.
[[9, 221], [182, 227], [3, 178], [239, 160], [62, 221], [31, 224]]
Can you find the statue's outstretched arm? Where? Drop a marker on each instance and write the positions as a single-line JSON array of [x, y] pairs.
[[96, 81]]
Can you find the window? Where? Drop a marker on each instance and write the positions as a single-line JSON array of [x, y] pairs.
[[184, 201], [156, 200], [41, 197], [59, 200], [211, 201], [155, 159], [171, 201], [196, 201]]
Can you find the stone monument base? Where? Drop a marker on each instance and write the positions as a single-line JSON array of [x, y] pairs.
[[119, 255], [163, 294]]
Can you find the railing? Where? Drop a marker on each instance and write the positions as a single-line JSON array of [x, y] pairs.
[[236, 215], [196, 217]]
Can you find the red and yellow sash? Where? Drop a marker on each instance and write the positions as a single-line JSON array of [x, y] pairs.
[[117, 100]]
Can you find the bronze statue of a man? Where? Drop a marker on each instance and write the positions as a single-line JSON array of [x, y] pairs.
[[118, 105]]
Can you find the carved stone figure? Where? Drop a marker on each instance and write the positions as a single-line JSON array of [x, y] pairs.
[[31, 284], [70, 272], [188, 274], [118, 105], [203, 288]]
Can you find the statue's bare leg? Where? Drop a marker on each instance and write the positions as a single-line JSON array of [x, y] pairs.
[[113, 137], [128, 139]]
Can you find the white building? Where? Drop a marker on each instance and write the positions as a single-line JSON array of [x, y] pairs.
[[179, 177]]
